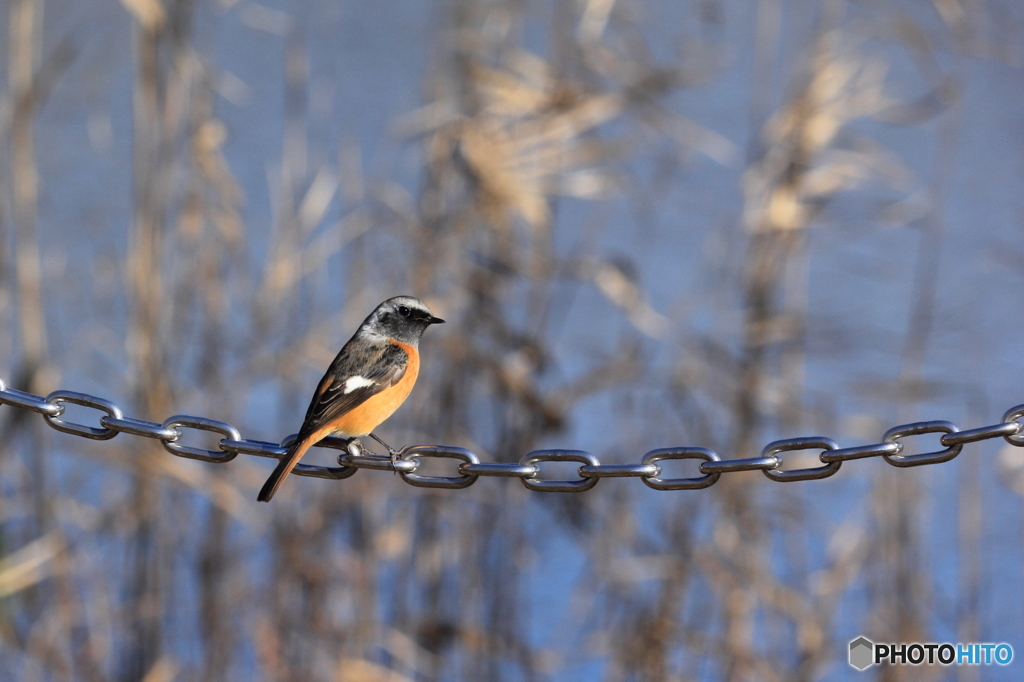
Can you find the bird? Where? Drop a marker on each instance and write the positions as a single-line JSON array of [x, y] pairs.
[[370, 378]]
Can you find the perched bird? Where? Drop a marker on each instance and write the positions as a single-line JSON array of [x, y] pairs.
[[372, 375]]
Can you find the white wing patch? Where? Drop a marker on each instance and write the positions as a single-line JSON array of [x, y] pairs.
[[352, 383]]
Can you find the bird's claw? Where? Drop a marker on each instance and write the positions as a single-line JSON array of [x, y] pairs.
[[391, 451]]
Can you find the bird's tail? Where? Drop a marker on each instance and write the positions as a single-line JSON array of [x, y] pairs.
[[284, 467]]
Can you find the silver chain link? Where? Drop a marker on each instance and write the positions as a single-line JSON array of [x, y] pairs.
[[353, 457]]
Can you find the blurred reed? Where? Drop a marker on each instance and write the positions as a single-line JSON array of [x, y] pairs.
[[119, 562]]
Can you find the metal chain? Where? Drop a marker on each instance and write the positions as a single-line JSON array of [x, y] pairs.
[[528, 469]]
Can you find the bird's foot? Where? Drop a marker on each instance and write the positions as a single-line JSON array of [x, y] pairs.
[[391, 451], [354, 447]]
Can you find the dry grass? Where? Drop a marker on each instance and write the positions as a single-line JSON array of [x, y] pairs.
[[119, 562]]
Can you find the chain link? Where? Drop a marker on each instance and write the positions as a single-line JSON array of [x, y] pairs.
[[31, 402], [894, 435], [1012, 415], [528, 470], [655, 456], [61, 397], [140, 427], [780, 446], [560, 486], [418, 452]]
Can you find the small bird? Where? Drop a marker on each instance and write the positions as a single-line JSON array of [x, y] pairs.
[[372, 375]]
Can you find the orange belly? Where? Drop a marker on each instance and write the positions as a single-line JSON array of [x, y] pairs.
[[368, 415]]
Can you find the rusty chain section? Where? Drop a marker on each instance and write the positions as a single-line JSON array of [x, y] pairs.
[[528, 470]]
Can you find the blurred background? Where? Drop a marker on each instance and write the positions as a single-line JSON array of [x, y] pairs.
[[649, 223]]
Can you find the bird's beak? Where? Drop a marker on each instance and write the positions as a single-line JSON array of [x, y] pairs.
[[436, 320]]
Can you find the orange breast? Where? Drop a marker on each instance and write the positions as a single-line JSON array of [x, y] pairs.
[[367, 416]]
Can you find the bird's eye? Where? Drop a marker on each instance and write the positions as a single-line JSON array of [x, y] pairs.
[[403, 311]]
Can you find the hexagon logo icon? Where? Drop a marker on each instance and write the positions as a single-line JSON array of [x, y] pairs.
[[862, 652]]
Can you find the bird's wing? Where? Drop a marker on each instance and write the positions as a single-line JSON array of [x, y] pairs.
[[354, 376]]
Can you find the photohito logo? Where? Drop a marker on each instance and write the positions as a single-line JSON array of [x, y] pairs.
[[864, 653]]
